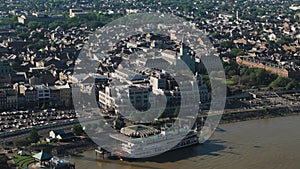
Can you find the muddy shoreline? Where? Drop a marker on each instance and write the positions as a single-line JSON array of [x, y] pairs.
[[266, 113], [76, 149]]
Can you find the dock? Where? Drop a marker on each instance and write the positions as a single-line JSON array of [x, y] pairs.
[[102, 153]]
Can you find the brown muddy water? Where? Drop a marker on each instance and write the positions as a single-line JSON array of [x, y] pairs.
[[258, 144]]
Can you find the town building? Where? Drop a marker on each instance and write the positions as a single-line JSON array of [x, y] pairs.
[[38, 17], [30, 94], [43, 94], [5, 71], [8, 98], [286, 71], [61, 95], [77, 13]]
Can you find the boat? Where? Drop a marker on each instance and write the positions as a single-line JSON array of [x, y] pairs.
[[140, 141]]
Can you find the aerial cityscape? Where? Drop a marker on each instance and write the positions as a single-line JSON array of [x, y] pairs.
[[149, 84]]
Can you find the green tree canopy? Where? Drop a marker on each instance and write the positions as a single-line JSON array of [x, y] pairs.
[[118, 123], [280, 82], [77, 130], [292, 85], [226, 44], [3, 161], [22, 142], [34, 136], [237, 52], [34, 25]]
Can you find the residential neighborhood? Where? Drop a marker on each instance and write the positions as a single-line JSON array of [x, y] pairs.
[[66, 64]]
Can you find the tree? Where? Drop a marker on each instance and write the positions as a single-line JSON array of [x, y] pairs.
[[255, 76], [21, 142], [34, 25], [55, 24], [10, 21], [284, 40], [34, 136], [77, 130], [176, 112], [292, 85], [280, 82], [3, 161], [118, 123], [37, 35], [216, 35], [23, 35], [237, 52], [226, 44]]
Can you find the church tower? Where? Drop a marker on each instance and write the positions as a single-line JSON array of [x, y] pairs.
[[186, 56]]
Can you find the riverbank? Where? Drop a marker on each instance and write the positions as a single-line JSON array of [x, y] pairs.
[[78, 147], [73, 148], [255, 114], [267, 143]]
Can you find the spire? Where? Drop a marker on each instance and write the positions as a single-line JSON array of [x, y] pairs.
[[182, 45]]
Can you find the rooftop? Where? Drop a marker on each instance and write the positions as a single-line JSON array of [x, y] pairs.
[[139, 131]]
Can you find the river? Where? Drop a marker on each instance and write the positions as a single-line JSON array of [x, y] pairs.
[[268, 144]]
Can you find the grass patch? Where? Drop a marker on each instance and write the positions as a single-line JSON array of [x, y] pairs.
[[230, 82], [42, 143], [23, 161]]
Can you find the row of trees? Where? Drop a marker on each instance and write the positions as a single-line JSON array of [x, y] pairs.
[[93, 20], [11, 21], [34, 137], [250, 77], [284, 82]]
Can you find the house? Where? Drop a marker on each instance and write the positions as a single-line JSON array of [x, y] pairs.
[[61, 135], [55, 133], [65, 137]]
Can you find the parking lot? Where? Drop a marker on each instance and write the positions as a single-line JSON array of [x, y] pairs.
[[12, 121]]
